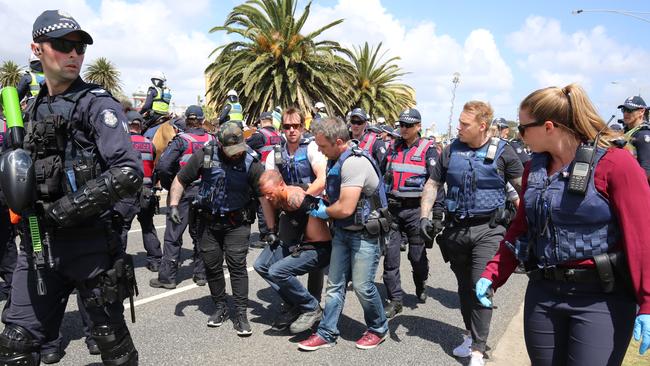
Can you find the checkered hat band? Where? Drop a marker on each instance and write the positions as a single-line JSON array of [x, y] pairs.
[[54, 27], [409, 120]]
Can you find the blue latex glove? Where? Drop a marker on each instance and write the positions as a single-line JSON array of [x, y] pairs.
[[482, 286], [642, 331], [320, 211]]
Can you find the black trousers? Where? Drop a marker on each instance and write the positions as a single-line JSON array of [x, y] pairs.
[[569, 324], [229, 243], [469, 249]]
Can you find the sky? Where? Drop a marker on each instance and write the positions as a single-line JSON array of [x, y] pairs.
[[503, 50]]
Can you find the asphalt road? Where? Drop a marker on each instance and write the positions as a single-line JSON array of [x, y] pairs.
[[171, 325]]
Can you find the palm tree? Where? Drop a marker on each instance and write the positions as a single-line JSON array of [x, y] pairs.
[[104, 73], [375, 86], [273, 64], [10, 73]]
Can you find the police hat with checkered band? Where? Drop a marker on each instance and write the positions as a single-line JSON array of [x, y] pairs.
[[56, 24], [409, 117]]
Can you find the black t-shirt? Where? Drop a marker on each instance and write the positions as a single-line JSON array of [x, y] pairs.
[[508, 164], [192, 170]]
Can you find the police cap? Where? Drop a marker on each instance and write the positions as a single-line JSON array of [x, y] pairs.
[[56, 24]]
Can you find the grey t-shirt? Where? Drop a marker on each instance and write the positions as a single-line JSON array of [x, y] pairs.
[[358, 171]]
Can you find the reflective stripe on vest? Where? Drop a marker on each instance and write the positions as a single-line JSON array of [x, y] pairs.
[[35, 83], [271, 138], [161, 100], [368, 141], [474, 186], [366, 204], [408, 167], [144, 146], [236, 112], [566, 226]]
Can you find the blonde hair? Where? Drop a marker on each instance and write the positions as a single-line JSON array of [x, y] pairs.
[[482, 111], [571, 108]]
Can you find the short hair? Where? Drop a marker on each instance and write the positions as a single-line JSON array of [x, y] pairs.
[[482, 111], [271, 177], [331, 128], [294, 110]]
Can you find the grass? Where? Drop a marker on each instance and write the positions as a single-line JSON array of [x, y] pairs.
[[633, 358]]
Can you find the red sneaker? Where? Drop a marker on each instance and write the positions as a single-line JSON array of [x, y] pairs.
[[314, 342], [370, 340]]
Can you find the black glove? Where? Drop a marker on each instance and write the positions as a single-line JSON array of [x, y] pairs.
[[438, 226], [272, 239], [174, 215], [426, 228]]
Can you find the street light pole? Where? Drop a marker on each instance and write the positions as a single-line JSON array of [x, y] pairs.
[[455, 81], [633, 14]]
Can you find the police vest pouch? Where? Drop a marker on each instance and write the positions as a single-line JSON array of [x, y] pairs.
[[622, 273], [605, 272], [49, 173]]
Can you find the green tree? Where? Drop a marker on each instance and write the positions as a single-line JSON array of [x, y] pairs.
[[375, 84], [272, 63], [10, 73], [104, 73]]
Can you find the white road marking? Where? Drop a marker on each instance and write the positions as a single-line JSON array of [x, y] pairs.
[[169, 293]]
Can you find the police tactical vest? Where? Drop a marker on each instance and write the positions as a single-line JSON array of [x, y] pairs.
[[564, 226], [629, 137], [474, 185], [161, 100], [193, 142], [367, 205], [236, 112], [296, 169], [224, 185], [35, 84], [368, 141], [63, 159], [271, 138], [408, 167], [146, 149]]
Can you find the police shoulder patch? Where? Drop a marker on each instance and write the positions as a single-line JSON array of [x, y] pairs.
[[109, 118], [646, 138], [382, 150]]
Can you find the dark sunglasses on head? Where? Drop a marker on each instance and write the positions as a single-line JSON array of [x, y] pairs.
[[66, 46], [289, 125], [357, 122], [522, 128], [628, 110]]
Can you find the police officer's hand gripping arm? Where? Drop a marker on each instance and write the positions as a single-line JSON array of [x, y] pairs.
[[344, 207]]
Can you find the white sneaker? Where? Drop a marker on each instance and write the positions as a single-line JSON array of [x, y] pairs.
[[465, 348], [477, 360]]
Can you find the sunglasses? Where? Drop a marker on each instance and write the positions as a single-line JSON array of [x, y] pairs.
[[628, 110], [522, 128], [406, 125], [289, 126], [357, 122], [66, 46]]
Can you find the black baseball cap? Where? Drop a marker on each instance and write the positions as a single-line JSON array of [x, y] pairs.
[[265, 115], [635, 102], [56, 24], [194, 111], [134, 117]]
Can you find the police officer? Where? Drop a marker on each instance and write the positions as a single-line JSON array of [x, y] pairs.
[[637, 130], [367, 140], [476, 169], [516, 143], [158, 98], [8, 252], [92, 146], [147, 201], [232, 110], [408, 164], [229, 178], [262, 141], [302, 165], [175, 157], [30, 83]]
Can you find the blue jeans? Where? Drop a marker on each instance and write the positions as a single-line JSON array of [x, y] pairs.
[[353, 253], [280, 269]]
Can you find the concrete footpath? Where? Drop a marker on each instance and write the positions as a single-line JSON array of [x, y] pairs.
[[511, 349]]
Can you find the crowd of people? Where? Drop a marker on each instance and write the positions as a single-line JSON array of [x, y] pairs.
[[562, 202]]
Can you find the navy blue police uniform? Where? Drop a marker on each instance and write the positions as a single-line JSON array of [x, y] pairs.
[[175, 156], [8, 251]]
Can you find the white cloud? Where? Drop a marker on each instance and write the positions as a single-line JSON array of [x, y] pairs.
[[431, 58], [139, 38]]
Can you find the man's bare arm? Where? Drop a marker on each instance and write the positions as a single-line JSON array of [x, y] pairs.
[[318, 185], [176, 192], [428, 198]]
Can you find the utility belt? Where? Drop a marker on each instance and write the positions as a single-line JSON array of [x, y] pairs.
[[611, 271], [115, 285], [500, 216], [227, 219], [299, 248], [405, 202]]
